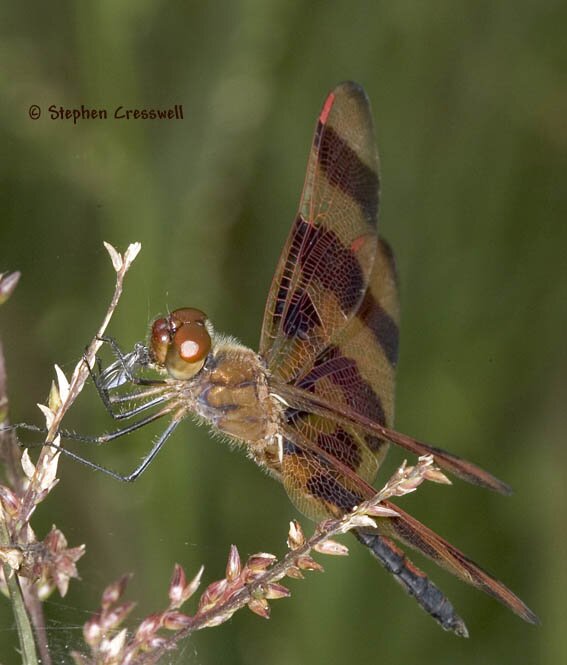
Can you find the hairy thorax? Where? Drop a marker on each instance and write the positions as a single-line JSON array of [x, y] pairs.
[[232, 394]]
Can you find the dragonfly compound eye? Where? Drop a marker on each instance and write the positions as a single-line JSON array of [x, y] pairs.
[[160, 339], [190, 345]]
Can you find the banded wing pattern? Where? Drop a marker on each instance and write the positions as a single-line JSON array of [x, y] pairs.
[[330, 341], [357, 370], [326, 262]]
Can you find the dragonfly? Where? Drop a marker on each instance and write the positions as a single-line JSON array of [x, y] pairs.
[[314, 406]]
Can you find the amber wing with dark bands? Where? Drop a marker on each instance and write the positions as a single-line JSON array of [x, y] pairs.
[[326, 262]]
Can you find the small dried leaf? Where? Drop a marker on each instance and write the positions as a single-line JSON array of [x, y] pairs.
[[115, 257], [295, 538], [360, 520], [114, 647], [193, 584], [27, 465], [12, 557], [48, 476], [63, 384], [379, 510], [435, 475], [8, 282], [233, 567], [131, 253], [47, 413], [331, 547], [260, 607]]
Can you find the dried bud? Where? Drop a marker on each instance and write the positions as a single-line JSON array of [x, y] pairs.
[[212, 594], [306, 562], [260, 607], [179, 590], [330, 546], [294, 573], [274, 591], [10, 501], [295, 538], [115, 257], [111, 619], [156, 642], [114, 591], [12, 557], [8, 282], [174, 620], [92, 632], [361, 520], [260, 562], [149, 626], [435, 475], [233, 567], [177, 586], [378, 510], [54, 400], [113, 648]]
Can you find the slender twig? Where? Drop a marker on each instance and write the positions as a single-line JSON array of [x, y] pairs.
[[31, 568], [250, 585], [9, 453], [69, 392]]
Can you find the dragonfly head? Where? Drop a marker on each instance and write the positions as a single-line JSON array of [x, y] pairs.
[[180, 342]]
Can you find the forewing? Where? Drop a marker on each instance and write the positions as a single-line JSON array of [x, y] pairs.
[[326, 262]]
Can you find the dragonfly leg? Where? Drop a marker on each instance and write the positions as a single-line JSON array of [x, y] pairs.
[[111, 436]]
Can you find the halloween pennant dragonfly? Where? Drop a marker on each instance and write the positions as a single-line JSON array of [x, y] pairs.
[[314, 406]]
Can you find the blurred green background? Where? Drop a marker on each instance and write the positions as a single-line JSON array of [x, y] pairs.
[[470, 106]]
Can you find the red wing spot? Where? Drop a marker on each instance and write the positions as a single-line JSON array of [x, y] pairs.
[[327, 108], [357, 243]]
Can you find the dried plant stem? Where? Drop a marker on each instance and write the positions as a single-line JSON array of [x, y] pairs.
[[21, 618], [29, 565], [404, 481], [23, 624], [81, 372]]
